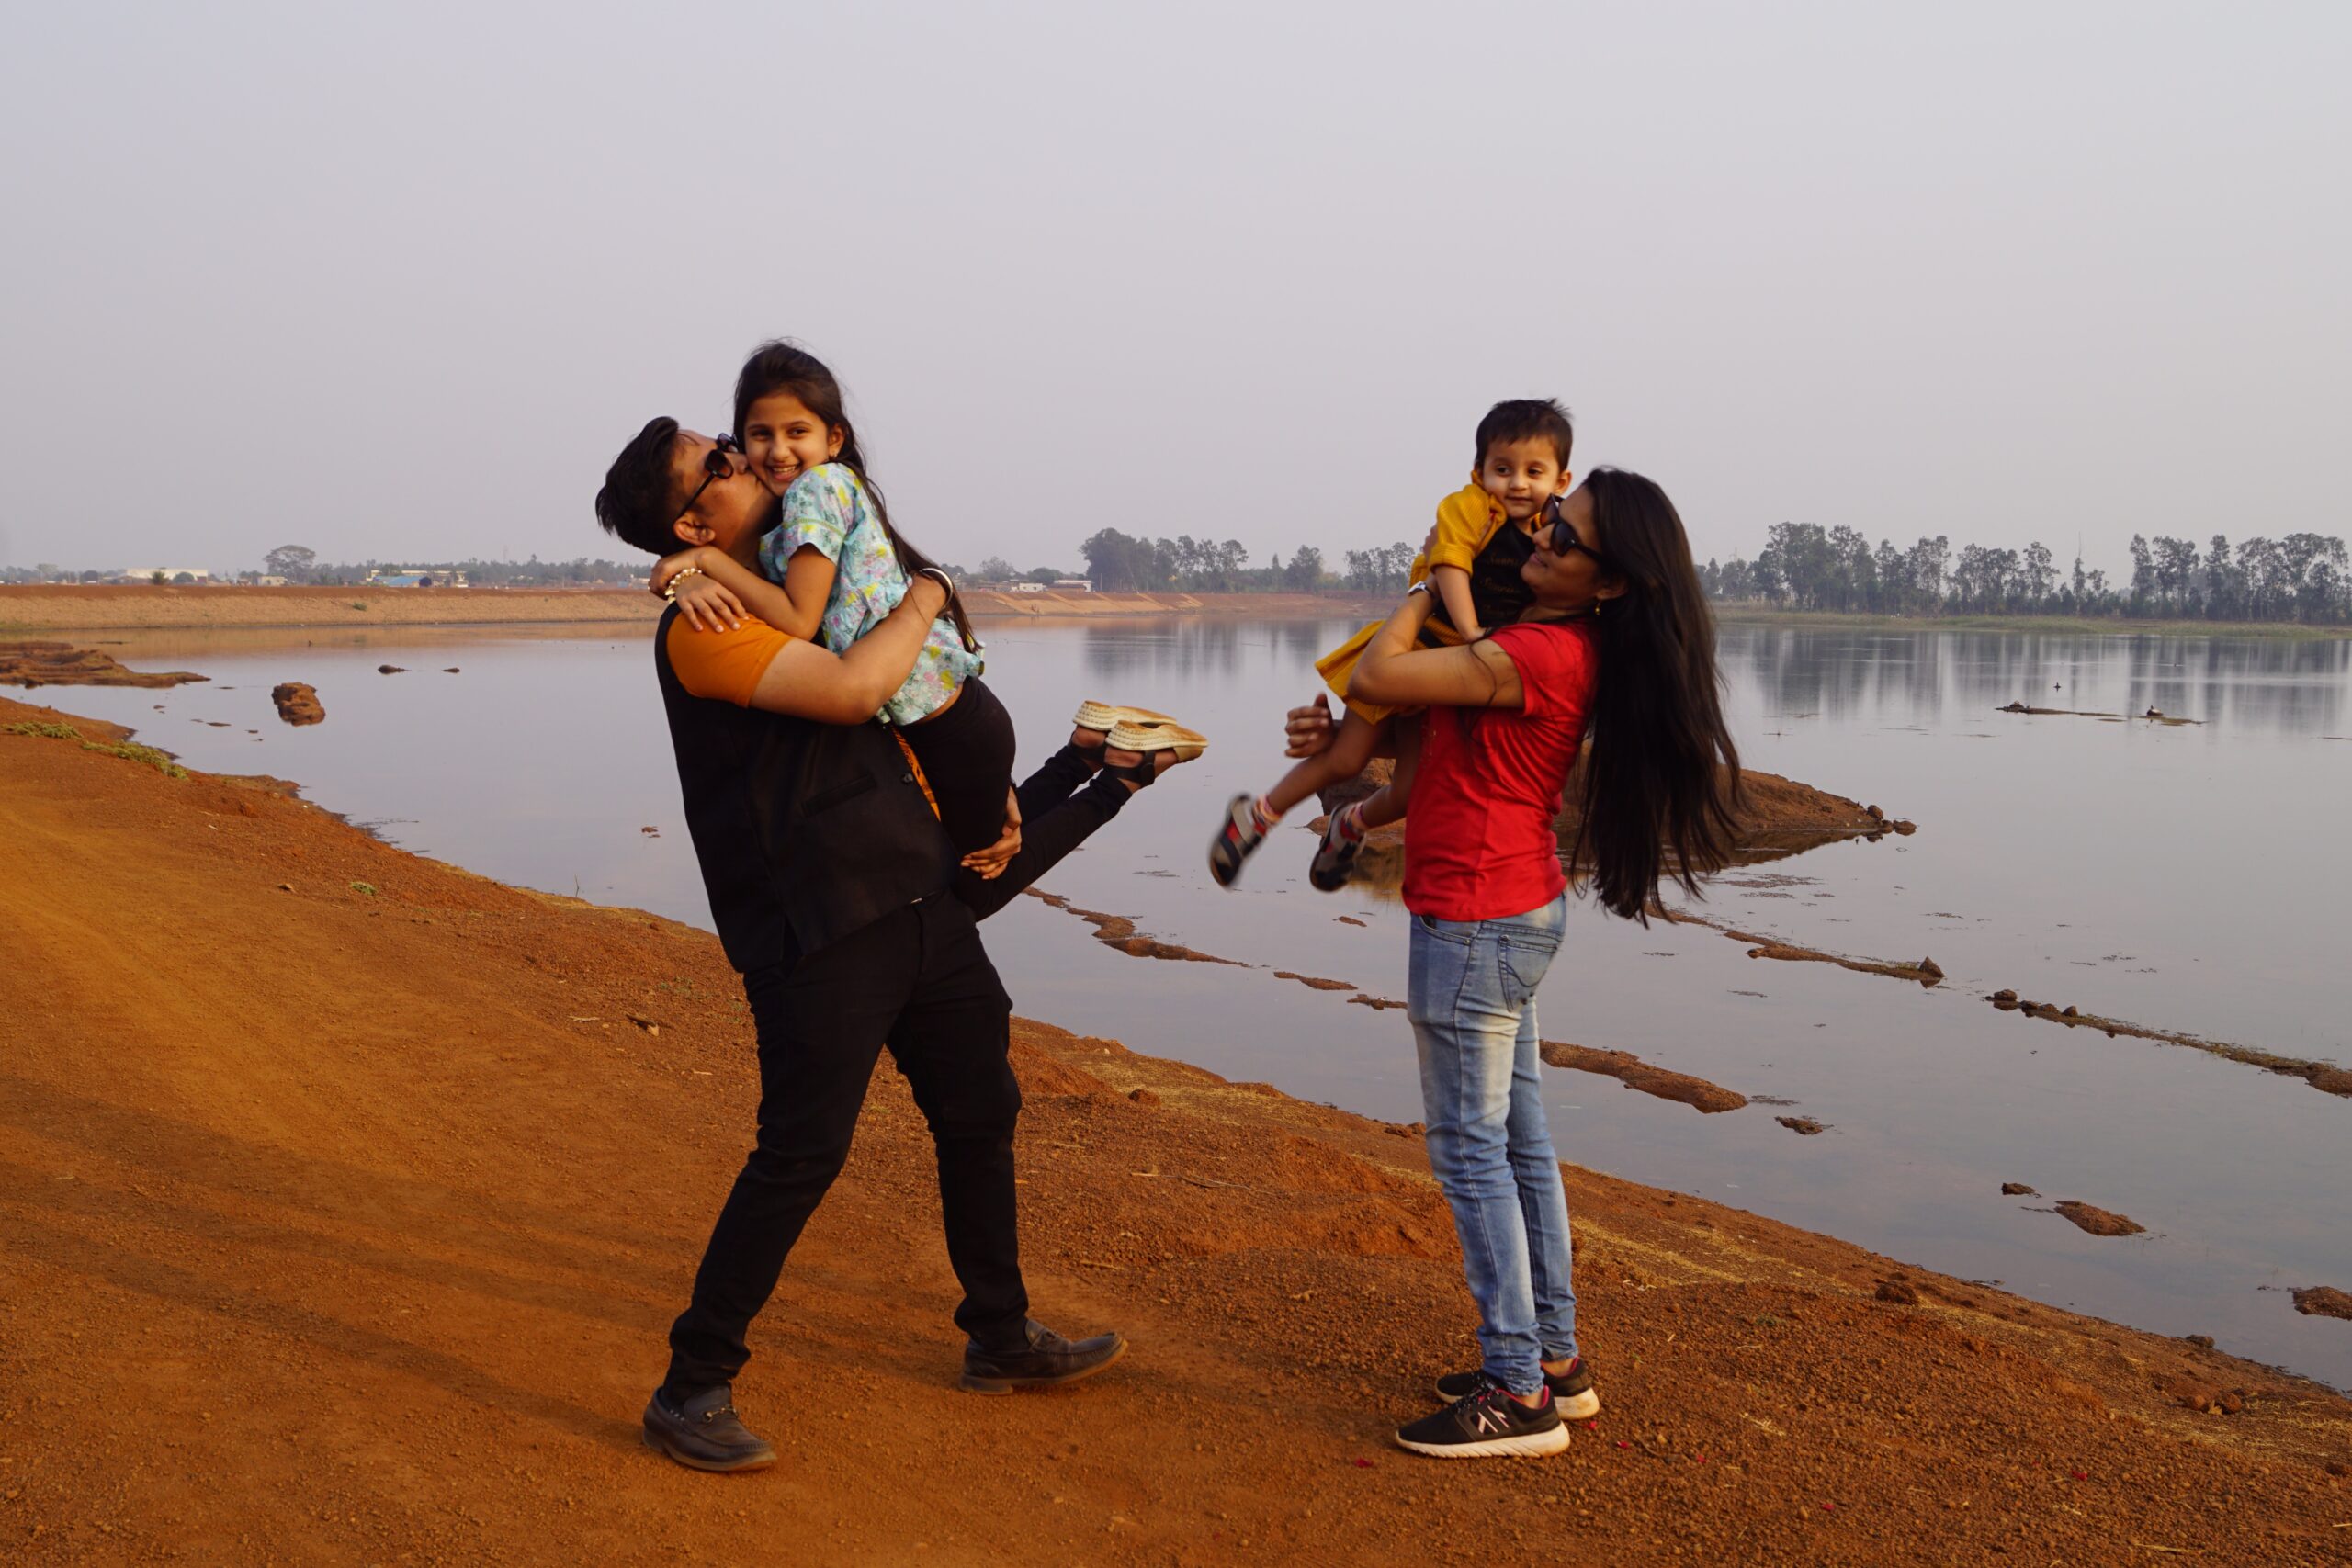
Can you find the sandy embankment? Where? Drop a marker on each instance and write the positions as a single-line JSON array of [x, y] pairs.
[[124, 606], [31, 664], [344, 1197]]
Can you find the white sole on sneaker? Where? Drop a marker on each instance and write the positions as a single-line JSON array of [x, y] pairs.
[[1549, 1441]]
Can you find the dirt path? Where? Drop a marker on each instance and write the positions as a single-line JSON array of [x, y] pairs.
[[344, 1198]]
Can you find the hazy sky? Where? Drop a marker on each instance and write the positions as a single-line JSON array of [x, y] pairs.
[[397, 281]]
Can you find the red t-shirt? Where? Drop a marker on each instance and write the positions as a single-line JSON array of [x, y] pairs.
[[1478, 844]]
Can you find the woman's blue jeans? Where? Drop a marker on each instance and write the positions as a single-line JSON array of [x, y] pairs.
[[1471, 998]]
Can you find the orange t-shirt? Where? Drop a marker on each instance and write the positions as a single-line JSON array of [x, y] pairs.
[[725, 666]]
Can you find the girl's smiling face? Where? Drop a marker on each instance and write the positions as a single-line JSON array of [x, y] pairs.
[[784, 440]]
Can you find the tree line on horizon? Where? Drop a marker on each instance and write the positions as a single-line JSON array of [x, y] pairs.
[[1126, 563], [2300, 578]]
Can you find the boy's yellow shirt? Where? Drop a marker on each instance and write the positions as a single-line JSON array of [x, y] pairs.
[[1466, 520]]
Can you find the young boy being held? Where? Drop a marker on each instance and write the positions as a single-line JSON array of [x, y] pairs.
[[1484, 533]]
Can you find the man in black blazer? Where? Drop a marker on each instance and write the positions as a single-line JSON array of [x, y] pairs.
[[830, 883]]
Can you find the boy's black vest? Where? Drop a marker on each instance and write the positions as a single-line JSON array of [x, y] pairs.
[[1497, 590], [805, 831]]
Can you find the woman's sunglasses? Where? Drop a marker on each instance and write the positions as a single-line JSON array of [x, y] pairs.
[[1559, 539], [715, 464]]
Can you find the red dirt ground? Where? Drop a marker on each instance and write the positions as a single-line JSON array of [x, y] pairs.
[[344, 1198]]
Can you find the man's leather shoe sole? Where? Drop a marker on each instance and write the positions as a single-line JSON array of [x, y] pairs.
[[692, 1461], [1006, 1382]]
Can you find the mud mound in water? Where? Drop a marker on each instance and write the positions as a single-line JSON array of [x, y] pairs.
[[32, 664], [2325, 1076], [1634, 1073], [2098, 1221], [2324, 1300], [298, 703], [1119, 931]]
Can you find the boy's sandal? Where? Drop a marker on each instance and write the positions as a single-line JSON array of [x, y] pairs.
[[1107, 716], [1335, 857]]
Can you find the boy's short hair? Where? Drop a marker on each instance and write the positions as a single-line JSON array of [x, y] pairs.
[[1526, 419], [639, 503]]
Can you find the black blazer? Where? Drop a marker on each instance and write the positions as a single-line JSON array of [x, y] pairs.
[[805, 831]]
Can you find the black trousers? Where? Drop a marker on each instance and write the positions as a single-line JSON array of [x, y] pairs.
[[919, 983], [1054, 821]]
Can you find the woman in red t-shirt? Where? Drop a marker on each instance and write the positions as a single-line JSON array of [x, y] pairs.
[[1618, 644]]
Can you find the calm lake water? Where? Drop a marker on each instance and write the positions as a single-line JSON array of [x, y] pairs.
[[2190, 878]]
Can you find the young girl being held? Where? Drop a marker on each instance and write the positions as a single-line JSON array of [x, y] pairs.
[[834, 566], [1484, 534]]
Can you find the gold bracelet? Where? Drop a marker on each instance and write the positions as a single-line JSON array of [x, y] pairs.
[[671, 593]]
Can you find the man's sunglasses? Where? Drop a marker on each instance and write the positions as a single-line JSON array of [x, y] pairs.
[[715, 464]]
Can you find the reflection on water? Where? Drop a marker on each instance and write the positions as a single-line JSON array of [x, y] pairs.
[[2190, 878], [2253, 685]]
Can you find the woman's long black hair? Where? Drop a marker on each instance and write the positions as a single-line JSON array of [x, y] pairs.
[[779, 366], [1663, 774]]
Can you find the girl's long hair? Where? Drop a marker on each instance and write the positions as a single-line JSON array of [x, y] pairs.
[[1663, 774], [781, 365]]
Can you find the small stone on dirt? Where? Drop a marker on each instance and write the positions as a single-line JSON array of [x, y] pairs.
[[2017, 1190], [390, 670], [1805, 1124], [1143, 1097], [1900, 1293]]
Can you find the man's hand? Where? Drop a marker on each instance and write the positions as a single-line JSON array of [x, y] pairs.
[[1307, 731], [990, 862], [708, 606]]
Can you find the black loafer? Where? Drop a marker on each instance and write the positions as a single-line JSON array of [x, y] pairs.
[[705, 1433], [1045, 1360]]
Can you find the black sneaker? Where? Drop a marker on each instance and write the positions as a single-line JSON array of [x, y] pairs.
[[1572, 1391], [1487, 1424], [703, 1433], [1045, 1360]]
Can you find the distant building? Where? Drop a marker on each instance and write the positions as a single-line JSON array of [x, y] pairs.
[[1073, 585], [416, 577], [1028, 588]]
